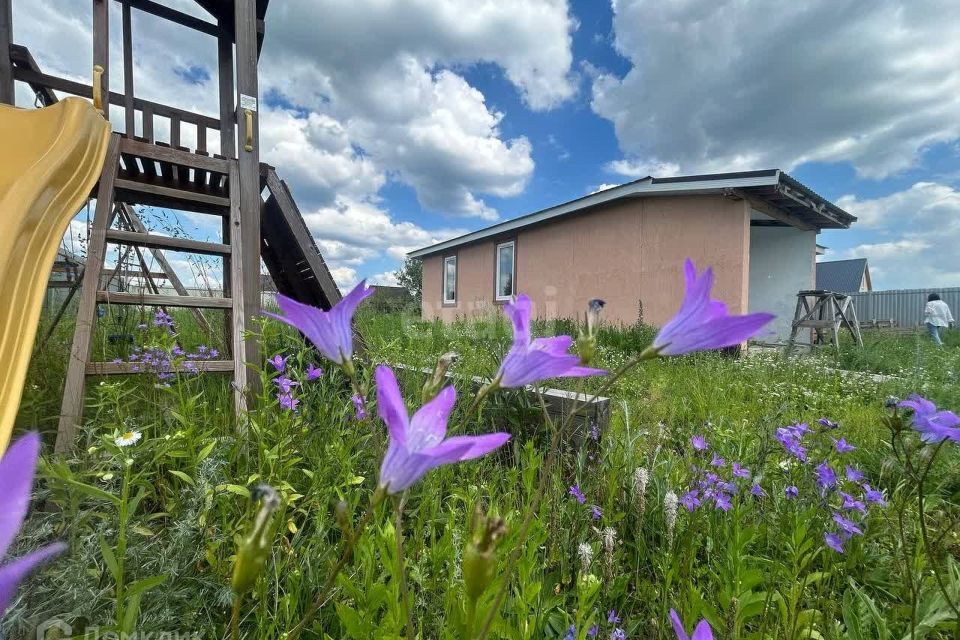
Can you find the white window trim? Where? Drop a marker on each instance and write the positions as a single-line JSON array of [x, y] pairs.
[[447, 260], [513, 280]]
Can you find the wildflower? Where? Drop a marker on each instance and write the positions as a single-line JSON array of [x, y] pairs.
[[757, 491], [585, 553], [853, 474], [791, 492], [670, 501], [789, 437], [313, 372], [873, 496], [419, 444], [287, 401], [699, 442], [571, 633], [717, 461], [576, 493], [702, 323], [834, 541], [595, 512], [531, 360], [593, 631], [612, 617], [640, 478], [852, 504], [691, 500], [828, 423], [279, 362], [826, 476], [740, 472], [842, 446], [702, 632], [329, 331], [285, 384], [618, 634], [359, 408], [723, 502], [128, 438], [609, 537], [933, 425], [17, 469], [846, 525], [595, 432]]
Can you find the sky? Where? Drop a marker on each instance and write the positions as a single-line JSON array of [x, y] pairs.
[[402, 123]]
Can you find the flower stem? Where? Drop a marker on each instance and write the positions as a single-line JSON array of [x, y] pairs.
[[401, 569], [345, 556], [925, 536], [235, 619]]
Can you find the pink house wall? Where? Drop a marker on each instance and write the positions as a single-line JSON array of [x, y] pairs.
[[626, 253]]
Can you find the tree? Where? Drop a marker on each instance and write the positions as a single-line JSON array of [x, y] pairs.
[[410, 276]]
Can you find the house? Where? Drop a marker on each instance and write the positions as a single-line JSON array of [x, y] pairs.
[[626, 245], [844, 276]]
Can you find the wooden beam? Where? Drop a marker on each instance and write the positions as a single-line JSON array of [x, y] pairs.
[[128, 111], [171, 193], [71, 409], [178, 17], [166, 242], [233, 274], [775, 213], [101, 48], [161, 300], [175, 156], [123, 368], [42, 80], [228, 111], [6, 61], [248, 169]]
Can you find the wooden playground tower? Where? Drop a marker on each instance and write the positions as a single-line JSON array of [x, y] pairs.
[[259, 216]]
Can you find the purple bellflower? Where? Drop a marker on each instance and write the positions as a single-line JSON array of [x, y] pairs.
[[699, 442], [842, 446], [618, 634], [533, 359], [873, 496], [854, 474], [852, 504], [329, 331], [17, 468], [313, 372], [613, 617], [757, 491], [287, 401], [593, 631], [702, 323], [691, 500], [359, 407], [834, 541], [702, 631], [827, 423], [791, 492], [577, 494], [933, 425], [285, 384], [740, 472], [419, 444], [846, 525], [722, 502], [279, 362], [717, 461], [595, 512], [826, 476]]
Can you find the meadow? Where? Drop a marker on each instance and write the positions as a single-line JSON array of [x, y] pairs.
[[693, 497]]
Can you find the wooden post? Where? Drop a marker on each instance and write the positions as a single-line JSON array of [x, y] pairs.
[[128, 112], [233, 269], [73, 392], [101, 48], [6, 64], [228, 111], [245, 21]]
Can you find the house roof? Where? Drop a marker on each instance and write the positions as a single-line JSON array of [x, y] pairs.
[[770, 186], [842, 276]]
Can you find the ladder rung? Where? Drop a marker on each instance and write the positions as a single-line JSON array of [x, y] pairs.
[[120, 368], [151, 299], [166, 242], [170, 193]]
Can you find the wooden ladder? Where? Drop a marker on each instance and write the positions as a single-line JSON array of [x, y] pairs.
[[137, 172]]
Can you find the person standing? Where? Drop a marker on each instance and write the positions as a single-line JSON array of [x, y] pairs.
[[936, 315]]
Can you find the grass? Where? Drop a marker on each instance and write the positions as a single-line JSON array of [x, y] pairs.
[[172, 508]]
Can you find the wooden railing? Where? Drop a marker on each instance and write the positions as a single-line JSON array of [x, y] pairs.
[[43, 85]]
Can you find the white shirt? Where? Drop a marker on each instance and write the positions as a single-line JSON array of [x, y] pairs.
[[937, 313]]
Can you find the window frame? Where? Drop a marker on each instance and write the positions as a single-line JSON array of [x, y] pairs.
[[443, 280], [512, 243]]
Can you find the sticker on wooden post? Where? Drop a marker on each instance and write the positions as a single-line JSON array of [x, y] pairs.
[[248, 102]]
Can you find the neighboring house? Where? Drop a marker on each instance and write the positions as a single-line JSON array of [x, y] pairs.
[[626, 245], [844, 276]]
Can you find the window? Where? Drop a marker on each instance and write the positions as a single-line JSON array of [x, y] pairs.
[[506, 266], [450, 280]]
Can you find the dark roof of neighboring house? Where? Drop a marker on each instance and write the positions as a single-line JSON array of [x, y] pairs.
[[770, 186], [842, 276]]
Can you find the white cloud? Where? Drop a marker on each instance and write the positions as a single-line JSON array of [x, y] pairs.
[[603, 187], [917, 234], [714, 88], [637, 168], [388, 278]]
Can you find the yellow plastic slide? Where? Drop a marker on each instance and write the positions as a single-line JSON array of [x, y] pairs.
[[50, 161]]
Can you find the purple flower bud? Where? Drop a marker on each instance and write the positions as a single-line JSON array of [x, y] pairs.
[[791, 492]]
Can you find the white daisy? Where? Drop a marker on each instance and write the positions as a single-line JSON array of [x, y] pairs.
[[128, 438]]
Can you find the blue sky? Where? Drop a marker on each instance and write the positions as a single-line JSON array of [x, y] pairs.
[[402, 123]]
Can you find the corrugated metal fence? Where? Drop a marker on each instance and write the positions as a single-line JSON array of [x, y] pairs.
[[904, 306]]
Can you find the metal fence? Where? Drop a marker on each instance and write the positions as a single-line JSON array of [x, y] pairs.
[[903, 306]]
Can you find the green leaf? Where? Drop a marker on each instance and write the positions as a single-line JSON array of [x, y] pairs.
[[131, 614], [140, 587], [91, 491], [206, 451], [183, 476], [109, 559], [235, 488]]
